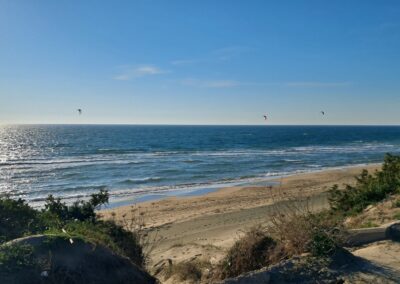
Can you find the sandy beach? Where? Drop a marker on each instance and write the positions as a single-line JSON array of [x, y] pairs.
[[205, 226]]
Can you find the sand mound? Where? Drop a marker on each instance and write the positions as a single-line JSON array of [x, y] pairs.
[[59, 261]]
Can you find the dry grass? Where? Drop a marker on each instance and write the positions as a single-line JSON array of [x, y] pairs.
[[296, 228], [253, 251], [191, 271], [396, 203]]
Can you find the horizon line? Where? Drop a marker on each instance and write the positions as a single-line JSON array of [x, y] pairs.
[[176, 124]]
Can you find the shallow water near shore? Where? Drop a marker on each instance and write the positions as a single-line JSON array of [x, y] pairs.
[[141, 163]]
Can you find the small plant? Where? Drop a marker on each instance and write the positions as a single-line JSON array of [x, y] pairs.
[[323, 242], [253, 251], [397, 216]]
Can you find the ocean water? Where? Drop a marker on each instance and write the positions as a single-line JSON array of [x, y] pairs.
[[137, 163]]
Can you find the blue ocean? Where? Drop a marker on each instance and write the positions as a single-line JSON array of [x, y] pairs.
[[136, 163]]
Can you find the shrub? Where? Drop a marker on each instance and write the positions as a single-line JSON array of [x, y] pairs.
[[369, 189], [253, 251], [17, 219], [323, 242], [79, 210], [298, 231], [78, 221]]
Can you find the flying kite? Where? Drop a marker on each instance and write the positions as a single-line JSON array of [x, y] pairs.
[[79, 111], [322, 112], [265, 117]]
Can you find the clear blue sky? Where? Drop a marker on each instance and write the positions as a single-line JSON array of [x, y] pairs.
[[200, 62]]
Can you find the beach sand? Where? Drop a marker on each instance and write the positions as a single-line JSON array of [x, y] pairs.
[[204, 227]]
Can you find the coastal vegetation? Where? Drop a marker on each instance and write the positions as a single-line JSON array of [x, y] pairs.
[[369, 189], [70, 224], [254, 250]]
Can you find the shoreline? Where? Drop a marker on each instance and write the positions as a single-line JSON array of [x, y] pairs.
[[204, 190]]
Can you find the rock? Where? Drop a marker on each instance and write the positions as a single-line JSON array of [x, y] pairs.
[[394, 232]]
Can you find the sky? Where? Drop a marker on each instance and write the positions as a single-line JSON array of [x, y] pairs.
[[200, 62]]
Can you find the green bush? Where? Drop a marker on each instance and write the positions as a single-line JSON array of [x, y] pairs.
[[17, 219], [369, 189], [79, 210]]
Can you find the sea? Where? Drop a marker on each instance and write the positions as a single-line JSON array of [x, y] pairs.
[[137, 163]]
